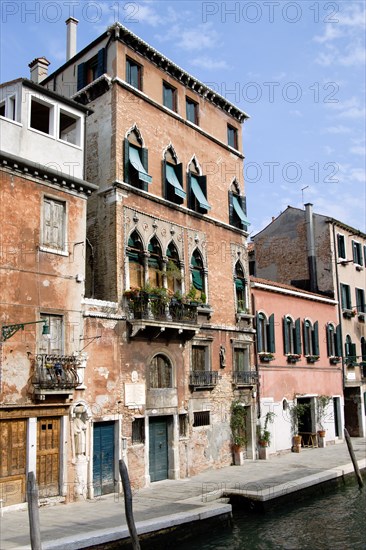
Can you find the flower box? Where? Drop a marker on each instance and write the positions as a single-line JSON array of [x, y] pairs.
[[312, 358], [334, 359], [293, 357], [265, 356], [349, 313]]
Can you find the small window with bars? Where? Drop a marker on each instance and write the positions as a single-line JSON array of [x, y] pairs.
[[138, 431], [201, 418]]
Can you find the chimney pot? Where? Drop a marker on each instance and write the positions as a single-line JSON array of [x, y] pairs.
[[38, 69], [71, 24]]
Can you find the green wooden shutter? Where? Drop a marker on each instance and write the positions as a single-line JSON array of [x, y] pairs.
[[306, 338], [81, 78], [126, 161], [231, 208], [259, 333], [297, 343], [189, 191], [271, 334], [329, 336], [338, 341], [165, 185], [101, 62], [316, 338], [352, 351], [286, 342], [354, 252], [145, 164]]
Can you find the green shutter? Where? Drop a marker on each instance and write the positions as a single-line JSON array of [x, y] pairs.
[[271, 334], [126, 161], [164, 182], [231, 209], [189, 190], [297, 343], [81, 80], [329, 336], [306, 338], [286, 343], [101, 62], [354, 252], [316, 338], [338, 341], [259, 333], [352, 351], [197, 279]]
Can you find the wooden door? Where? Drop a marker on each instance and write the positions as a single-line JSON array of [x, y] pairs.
[[48, 456], [13, 437], [103, 458], [158, 454]]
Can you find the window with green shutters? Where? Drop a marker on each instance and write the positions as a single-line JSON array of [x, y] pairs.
[[136, 162], [265, 333], [311, 338], [90, 70], [350, 350], [291, 335], [360, 300], [240, 289], [135, 261], [341, 246], [334, 341], [197, 273], [155, 263], [357, 252], [346, 296]]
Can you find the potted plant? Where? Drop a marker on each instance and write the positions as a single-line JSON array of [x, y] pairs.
[[334, 359], [238, 425], [265, 356], [312, 358], [264, 435], [293, 357], [322, 403]]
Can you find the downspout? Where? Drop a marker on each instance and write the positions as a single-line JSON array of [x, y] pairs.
[[339, 305]]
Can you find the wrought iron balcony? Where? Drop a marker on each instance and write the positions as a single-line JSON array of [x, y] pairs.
[[203, 379], [245, 378], [55, 373], [150, 307]]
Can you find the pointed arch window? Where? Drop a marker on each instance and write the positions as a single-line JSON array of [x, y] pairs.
[[161, 372], [173, 178], [197, 190], [198, 273], [136, 162], [240, 288], [155, 263], [265, 333], [135, 261], [173, 272], [237, 208]]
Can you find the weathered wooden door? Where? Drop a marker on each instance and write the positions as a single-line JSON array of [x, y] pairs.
[[48, 456], [13, 436], [158, 454], [103, 458]]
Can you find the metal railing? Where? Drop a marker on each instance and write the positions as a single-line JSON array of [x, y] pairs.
[[203, 378], [245, 378], [151, 307], [55, 372]]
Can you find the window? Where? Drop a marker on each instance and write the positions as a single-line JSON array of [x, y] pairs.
[[363, 349], [265, 333], [311, 338], [161, 372], [201, 418], [138, 431], [134, 74], [232, 136], [7, 108], [91, 69], [155, 263], [173, 179], [350, 350], [241, 359], [191, 110], [240, 289], [2, 108], [41, 116], [334, 347], [69, 128], [54, 226], [346, 297], [360, 300], [183, 427], [173, 270], [198, 274], [197, 190], [357, 252], [169, 97], [135, 261], [292, 335], [341, 246], [237, 208], [199, 358], [136, 162], [52, 343]]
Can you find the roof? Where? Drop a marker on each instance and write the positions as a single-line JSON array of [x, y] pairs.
[[45, 92], [117, 31], [273, 286]]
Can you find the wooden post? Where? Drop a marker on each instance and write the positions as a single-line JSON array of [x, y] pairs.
[[353, 458], [33, 512], [128, 505]]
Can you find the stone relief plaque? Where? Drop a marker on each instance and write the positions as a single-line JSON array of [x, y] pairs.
[[135, 395]]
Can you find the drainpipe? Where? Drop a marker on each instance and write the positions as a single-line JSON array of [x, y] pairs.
[[311, 247]]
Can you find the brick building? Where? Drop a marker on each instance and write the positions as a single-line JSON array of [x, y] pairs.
[[167, 309], [43, 198], [324, 255], [296, 334]]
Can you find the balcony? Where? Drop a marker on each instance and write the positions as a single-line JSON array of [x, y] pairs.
[[203, 379], [55, 374], [245, 378], [157, 314]]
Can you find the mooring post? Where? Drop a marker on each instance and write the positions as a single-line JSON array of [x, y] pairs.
[[33, 512], [353, 458], [128, 504]]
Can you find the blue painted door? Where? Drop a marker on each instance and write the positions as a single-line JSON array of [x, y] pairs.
[[103, 458], [158, 454]]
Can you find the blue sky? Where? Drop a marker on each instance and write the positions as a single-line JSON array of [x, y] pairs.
[[297, 68]]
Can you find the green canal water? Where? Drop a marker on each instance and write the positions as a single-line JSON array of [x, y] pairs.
[[332, 521]]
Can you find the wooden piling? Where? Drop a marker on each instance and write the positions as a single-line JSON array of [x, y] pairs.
[[33, 512], [128, 505], [353, 458]]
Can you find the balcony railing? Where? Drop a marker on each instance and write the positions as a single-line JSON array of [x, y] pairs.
[[203, 379], [245, 378], [154, 308], [55, 372]]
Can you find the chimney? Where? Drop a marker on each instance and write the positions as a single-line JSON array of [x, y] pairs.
[[71, 24], [311, 247], [38, 69]]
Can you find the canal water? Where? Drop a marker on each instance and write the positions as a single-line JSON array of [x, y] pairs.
[[332, 521]]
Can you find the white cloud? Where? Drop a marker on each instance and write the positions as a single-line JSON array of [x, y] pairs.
[[206, 62], [337, 129], [198, 38]]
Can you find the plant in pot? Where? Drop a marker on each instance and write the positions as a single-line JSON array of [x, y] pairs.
[[322, 403], [297, 410], [264, 435], [238, 425]]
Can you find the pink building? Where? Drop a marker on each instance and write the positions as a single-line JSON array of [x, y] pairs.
[[298, 357]]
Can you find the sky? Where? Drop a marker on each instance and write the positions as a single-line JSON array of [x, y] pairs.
[[297, 68]]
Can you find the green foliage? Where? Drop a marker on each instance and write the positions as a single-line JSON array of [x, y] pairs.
[[263, 433], [297, 410], [322, 402], [238, 424]]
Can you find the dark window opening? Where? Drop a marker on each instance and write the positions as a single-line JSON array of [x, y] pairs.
[[169, 97], [201, 418], [133, 74], [138, 430], [191, 111], [40, 117], [232, 137]]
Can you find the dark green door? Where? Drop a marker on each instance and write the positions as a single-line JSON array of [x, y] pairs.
[[158, 439], [103, 458]]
